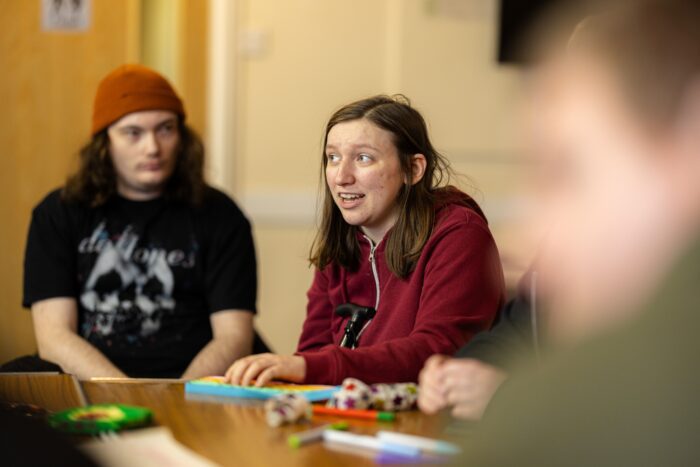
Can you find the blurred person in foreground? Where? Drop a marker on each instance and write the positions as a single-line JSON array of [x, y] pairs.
[[616, 135]]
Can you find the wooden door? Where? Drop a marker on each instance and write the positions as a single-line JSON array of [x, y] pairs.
[[47, 83]]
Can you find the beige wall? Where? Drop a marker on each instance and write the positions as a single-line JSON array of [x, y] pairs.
[[298, 61]]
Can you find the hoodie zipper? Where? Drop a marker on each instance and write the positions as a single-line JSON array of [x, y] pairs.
[[375, 274]]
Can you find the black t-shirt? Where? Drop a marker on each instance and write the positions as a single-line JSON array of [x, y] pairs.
[[146, 275]]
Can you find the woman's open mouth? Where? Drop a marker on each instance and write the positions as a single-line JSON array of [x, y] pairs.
[[350, 200]]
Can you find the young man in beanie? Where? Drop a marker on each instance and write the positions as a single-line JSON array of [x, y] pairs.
[[136, 267]]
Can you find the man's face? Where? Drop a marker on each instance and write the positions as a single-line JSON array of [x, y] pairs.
[[143, 148], [601, 189]]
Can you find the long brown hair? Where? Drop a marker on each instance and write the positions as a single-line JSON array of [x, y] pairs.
[[336, 241], [95, 181]]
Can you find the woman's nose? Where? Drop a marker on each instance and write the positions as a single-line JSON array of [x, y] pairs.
[[344, 174]]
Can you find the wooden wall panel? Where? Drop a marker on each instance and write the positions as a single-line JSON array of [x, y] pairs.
[[193, 62], [174, 40], [47, 83]]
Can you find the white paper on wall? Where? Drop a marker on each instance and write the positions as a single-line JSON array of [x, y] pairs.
[[66, 15]]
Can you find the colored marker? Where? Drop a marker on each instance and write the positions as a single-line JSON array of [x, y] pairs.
[[297, 440], [370, 442], [384, 458], [369, 414], [422, 443]]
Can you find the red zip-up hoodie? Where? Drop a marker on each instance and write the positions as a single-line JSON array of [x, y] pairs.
[[454, 292]]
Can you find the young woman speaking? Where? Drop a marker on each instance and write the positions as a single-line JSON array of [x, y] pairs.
[[405, 266]]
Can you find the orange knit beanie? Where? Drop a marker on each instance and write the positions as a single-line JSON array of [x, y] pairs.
[[132, 88]]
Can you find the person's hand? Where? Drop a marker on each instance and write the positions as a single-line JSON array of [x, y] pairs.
[[466, 385], [431, 398], [469, 386], [266, 367]]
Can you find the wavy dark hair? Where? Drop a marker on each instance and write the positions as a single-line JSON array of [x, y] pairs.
[[95, 181], [336, 240]]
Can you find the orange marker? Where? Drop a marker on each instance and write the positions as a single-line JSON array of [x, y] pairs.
[[370, 414]]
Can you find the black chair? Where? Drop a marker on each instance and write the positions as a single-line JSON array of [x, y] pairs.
[[29, 364]]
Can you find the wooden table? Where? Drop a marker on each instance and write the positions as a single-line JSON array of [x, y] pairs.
[[226, 433]]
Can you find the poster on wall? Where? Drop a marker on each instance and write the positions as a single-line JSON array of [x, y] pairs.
[[65, 15]]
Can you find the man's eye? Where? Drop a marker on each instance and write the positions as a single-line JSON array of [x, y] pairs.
[[166, 129], [364, 158]]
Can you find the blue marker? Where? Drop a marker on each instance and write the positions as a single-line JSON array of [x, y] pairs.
[[371, 442], [423, 444]]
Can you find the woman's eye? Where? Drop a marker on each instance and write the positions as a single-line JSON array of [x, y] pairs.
[[364, 158], [133, 133], [333, 158]]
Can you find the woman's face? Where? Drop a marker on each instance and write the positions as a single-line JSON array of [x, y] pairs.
[[364, 175]]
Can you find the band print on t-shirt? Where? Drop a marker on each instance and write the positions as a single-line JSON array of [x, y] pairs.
[[129, 289]]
